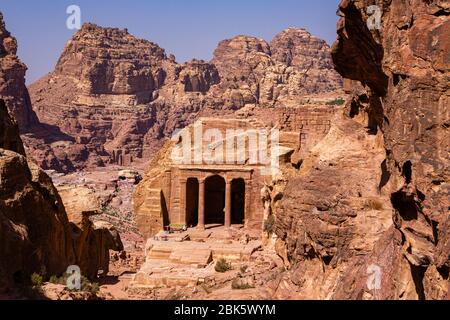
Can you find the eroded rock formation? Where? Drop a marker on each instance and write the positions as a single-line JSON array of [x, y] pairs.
[[94, 239], [36, 234], [386, 207], [117, 98], [34, 228], [308, 55], [12, 81]]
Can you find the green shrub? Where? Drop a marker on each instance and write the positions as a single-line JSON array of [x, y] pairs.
[[86, 284], [222, 266], [94, 288], [336, 102], [373, 204], [36, 279], [237, 284], [54, 280]]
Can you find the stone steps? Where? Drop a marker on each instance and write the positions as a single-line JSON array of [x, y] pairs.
[[160, 253], [200, 254], [201, 258]]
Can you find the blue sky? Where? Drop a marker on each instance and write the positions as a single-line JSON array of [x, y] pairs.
[[187, 28]]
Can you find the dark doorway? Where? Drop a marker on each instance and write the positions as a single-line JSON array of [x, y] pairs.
[[237, 201], [215, 200], [192, 202]]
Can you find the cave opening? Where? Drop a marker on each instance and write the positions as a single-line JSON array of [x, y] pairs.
[[407, 171], [405, 205]]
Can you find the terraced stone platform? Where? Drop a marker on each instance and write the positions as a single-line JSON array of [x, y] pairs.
[[177, 260]]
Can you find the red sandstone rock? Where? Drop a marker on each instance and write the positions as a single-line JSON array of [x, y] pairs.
[[12, 81], [34, 229], [116, 98], [309, 55], [330, 242], [36, 234], [409, 94]]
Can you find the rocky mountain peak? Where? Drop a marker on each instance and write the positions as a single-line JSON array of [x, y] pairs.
[[298, 48], [12, 81], [112, 61], [8, 44], [198, 76], [231, 55], [117, 97]]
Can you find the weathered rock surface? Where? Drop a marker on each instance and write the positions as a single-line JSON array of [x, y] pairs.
[[95, 239], [116, 98], [12, 81], [308, 55], [198, 76], [111, 61], [332, 213], [36, 234], [38, 138], [409, 95], [9, 132], [34, 228], [402, 100]]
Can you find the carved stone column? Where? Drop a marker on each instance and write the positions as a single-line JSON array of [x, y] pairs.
[[201, 204], [248, 214], [182, 213], [228, 204]]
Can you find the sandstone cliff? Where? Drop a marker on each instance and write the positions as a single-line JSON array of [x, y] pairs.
[[386, 185], [310, 56], [34, 228], [36, 235], [116, 98], [38, 138], [12, 81]]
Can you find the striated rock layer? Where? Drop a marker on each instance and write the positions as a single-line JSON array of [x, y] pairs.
[[367, 215], [36, 234], [12, 81], [116, 98], [34, 229]]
